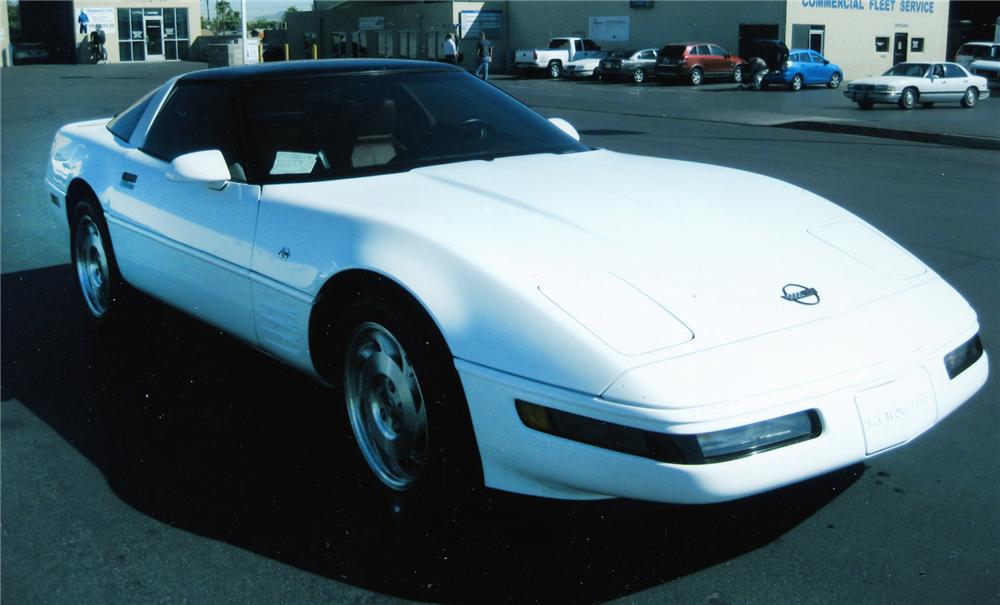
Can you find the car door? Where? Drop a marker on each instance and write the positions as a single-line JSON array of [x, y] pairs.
[[720, 65], [957, 81], [818, 72], [647, 60], [934, 87], [189, 243]]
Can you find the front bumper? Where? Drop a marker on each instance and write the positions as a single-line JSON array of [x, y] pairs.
[[873, 96], [862, 413]]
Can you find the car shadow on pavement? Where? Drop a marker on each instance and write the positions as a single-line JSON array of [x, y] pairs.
[[201, 433]]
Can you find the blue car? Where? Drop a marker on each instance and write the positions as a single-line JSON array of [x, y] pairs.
[[805, 67]]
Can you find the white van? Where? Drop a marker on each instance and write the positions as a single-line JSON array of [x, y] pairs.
[[973, 51]]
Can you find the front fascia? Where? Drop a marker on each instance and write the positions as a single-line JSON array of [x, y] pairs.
[[521, 460]]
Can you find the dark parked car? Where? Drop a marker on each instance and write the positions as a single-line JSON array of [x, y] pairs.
[[696, 61], [31, 52], [635, 65]]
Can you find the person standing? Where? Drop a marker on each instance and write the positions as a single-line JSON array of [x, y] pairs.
[[83, 20], [450, 50], [484, 56]]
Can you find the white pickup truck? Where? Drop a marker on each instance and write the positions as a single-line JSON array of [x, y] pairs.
[[552, 59]]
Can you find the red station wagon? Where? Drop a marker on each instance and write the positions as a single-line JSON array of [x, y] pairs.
[[696, 61]]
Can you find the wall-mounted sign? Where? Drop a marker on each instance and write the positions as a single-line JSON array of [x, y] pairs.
[[371, 23], [470, 23], [611, 29], [105, 17]]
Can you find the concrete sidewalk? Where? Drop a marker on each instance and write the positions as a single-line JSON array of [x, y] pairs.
[[814, 108]]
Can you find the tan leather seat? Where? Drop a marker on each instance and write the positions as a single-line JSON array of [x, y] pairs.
[[376, 146]]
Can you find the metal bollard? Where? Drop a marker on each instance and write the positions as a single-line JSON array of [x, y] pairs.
[[315, 51], [286, 52]]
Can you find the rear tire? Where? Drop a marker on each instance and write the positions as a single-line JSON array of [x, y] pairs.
[[697, 76], [555, 69], [796, 84], [970, 98], [639, 75]]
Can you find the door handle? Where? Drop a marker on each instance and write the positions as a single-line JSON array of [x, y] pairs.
[[128, 177]]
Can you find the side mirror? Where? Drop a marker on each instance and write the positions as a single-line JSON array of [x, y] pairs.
[[825, 62], [566, 127], [207, 167], [726, 56]]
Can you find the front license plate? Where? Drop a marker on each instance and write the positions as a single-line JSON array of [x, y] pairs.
[[895, 412]]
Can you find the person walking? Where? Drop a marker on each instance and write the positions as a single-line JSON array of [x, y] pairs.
[[484, 56], [450, 50]]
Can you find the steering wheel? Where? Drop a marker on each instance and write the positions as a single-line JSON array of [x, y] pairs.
[[482, 125]]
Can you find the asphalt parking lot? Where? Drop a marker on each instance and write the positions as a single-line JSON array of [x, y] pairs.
[[173, 465]]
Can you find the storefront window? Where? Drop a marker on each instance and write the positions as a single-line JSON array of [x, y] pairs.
[[132, 34]]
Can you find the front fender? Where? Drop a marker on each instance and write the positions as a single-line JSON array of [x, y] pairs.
[[495, 317]]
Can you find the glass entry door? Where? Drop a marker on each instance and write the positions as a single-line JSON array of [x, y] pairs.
[[154, 38]]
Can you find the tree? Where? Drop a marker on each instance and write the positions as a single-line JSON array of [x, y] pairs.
[[291, 10], [226, 20], [261, 24]]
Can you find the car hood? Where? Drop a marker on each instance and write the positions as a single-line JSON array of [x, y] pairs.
[[655, 258], [894, 80], [712, 245]]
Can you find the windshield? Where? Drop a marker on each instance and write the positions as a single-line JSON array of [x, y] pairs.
[[913, 70], [342, 126]]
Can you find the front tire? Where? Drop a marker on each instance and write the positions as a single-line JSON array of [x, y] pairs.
[[796, 84], [404, 402], [102, 289], [970, 98], [639, 75], [738, 74], [697, 76], [835, 80], [908, 100]]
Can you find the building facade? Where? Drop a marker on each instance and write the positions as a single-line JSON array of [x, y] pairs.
[[865, 37], [140, 30]]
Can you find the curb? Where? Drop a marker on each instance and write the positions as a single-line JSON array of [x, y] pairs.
[[954, 140]]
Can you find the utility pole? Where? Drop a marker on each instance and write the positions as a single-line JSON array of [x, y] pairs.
[[243, 25]]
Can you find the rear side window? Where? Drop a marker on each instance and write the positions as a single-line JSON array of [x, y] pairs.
[[647, 55], [195, 117], [953, 71], [123, 125], [559, 43]]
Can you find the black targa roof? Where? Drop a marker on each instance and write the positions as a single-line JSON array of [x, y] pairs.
[[292, 69]]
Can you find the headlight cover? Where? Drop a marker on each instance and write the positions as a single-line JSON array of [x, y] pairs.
[[618, 313]]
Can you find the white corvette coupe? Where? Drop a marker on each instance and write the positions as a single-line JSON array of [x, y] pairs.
[[393, 229], [906, 84]]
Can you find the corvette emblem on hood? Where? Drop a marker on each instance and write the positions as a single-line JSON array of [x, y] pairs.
[[800, 294]]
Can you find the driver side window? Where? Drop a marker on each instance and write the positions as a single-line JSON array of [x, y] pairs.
[[195, 117]]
